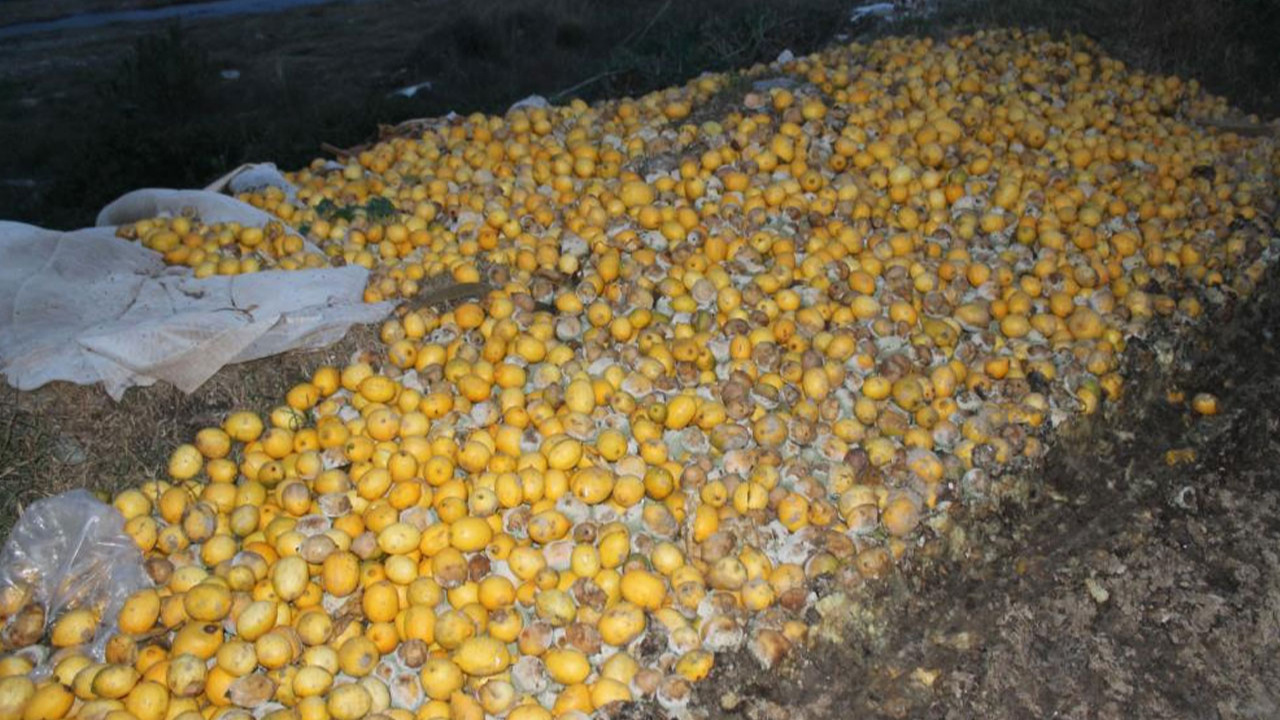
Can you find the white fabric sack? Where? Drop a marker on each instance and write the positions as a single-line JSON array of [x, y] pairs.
[[88, 307], [209, 206], [253, 176]]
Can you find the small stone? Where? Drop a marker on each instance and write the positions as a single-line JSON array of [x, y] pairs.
[[1099, 594], [68, 451], [925, 677]]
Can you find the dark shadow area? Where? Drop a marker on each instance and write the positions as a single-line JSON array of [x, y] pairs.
[[163, 115]]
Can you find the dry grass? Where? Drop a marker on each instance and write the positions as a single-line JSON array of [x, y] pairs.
[[65, 436]]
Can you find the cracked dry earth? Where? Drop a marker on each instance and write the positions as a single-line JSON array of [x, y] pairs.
[[1136, 574]]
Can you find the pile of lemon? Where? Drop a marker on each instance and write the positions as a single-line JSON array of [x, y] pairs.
[[740, 335], [223, 248]]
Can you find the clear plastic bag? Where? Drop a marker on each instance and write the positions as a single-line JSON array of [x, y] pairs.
[[66, 552]]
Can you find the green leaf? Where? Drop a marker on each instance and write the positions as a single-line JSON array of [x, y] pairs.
[[379, 208]]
